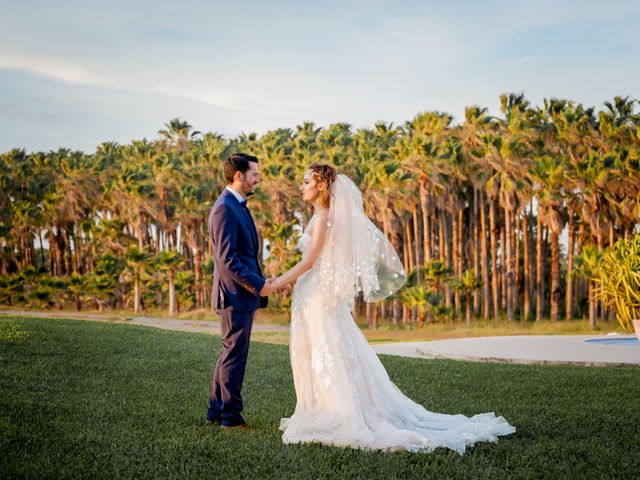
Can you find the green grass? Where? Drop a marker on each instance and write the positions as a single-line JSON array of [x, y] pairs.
[[100, 400]]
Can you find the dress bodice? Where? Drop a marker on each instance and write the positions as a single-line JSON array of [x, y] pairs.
[[305, 239]]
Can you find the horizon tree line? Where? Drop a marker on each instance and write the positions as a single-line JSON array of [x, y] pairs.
[[476, 210]]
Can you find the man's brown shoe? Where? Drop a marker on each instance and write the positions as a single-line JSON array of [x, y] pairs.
[[212, 422], [241, 426]]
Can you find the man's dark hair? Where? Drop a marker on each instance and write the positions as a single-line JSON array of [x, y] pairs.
[[237, 162]]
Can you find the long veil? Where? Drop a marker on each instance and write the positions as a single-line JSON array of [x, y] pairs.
[[356, 256]]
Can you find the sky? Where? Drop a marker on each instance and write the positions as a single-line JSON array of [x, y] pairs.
[[77, 73]]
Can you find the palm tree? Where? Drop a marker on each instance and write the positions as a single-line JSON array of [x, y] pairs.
[[137, 260], [572, 128], [169, 261], [508, 160], [132, 192], [468, 283], [382, 177], [177, 133], [25, 216], [587, 266], [73, 196], [76, 286], [551, 175], [477, 123], [421, 292], [104, 282]]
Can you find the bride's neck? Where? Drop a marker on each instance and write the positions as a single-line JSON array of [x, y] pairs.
[[317, 208]]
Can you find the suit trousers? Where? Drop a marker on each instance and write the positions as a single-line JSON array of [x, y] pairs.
[[225, 401]]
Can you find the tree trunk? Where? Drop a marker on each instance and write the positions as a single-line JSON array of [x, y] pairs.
[[444, 229], [486, 297], [197, 270], [517, 272], [475, 229], [526, 307], [432, 233], [494, 260], [136, 292], [569, 293], [396, 242], [426, 227], [539, 271], [582, 284], [396, 314], [408, 247], [66, 252], [593, 307], [406, 314], [172, 294], [600, 235], [376, 311], [51, 260], [460, 227], [509, 263], [422, 318], [455, 246], [44, 262], [612, 238], [408, 266], [503, 270], [441, 254], [77, 255], [60, 271], [416, 237], [368, 313], [556, 292]]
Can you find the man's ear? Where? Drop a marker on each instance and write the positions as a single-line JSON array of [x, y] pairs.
[[238, 176]]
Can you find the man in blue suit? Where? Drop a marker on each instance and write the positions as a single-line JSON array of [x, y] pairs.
[[239, 288]]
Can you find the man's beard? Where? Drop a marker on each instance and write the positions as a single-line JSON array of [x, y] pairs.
[[248, 189]]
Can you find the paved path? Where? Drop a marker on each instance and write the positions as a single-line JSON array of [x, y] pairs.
[[200, 326], [542, 349]]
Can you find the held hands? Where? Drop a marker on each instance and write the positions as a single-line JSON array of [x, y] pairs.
[[272, 285], [267, 288], [279, 286]]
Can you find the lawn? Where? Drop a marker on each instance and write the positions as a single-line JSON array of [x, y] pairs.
[[100, 400]]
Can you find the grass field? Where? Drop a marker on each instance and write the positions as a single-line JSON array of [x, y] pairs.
[[87, 399]]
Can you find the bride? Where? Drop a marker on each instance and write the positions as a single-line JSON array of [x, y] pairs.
[[344, 395]]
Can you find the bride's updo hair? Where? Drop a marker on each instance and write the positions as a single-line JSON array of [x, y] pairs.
[[324, 175]]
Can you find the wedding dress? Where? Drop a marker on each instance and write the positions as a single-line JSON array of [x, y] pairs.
[[344, 395]]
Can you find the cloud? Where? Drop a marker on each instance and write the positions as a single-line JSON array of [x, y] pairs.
[[64, 71], [79, 74]]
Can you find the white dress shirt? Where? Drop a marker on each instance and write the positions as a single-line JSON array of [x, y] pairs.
[[240, 198]]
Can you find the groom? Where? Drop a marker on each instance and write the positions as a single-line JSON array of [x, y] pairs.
[[239, 288]]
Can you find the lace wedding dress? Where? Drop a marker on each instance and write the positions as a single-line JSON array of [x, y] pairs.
[[344, 395]]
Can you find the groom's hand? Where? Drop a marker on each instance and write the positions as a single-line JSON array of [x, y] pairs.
[[267, 289]]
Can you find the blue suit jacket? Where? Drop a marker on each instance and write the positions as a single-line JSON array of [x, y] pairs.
[[237, 277]]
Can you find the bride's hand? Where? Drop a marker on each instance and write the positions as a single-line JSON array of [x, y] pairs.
[[278, 286]]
